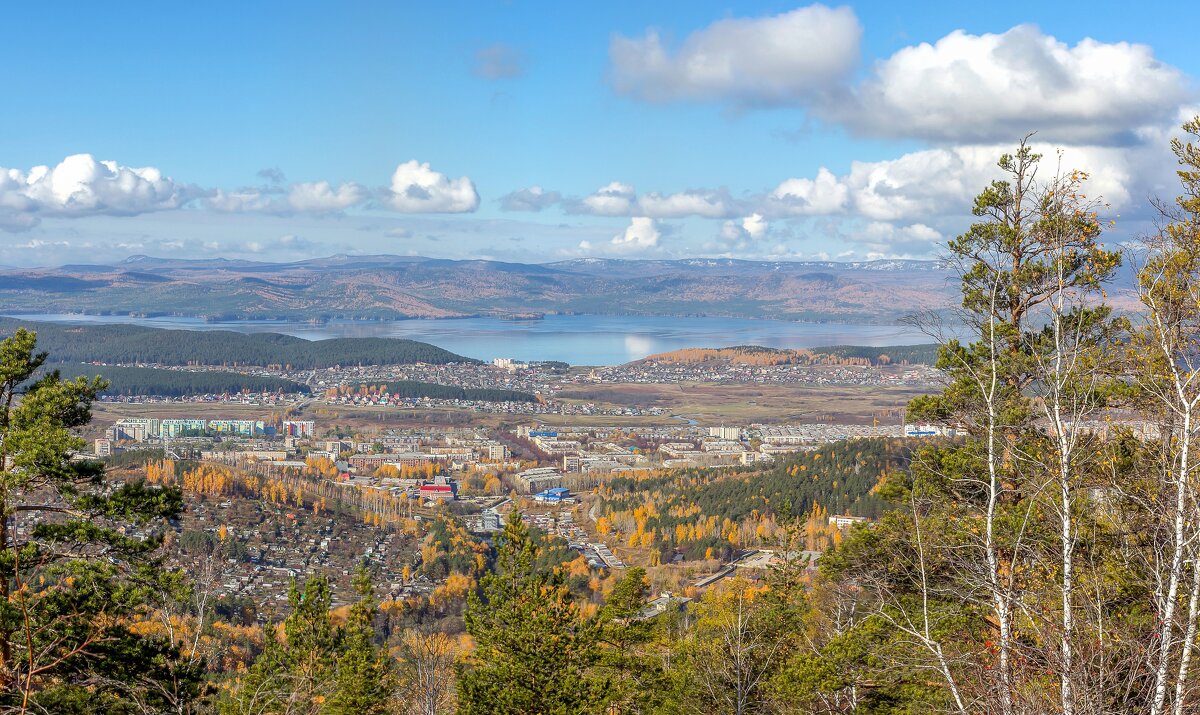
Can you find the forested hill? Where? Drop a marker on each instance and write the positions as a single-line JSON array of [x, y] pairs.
[[694, 510], [922, 354], [137, 344], [136, 381]]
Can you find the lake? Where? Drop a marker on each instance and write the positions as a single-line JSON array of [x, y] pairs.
[[575, 339]]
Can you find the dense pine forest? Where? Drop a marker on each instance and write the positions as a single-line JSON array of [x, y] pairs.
[[925, 354], [137, 344], [693, 511], [136, 381]]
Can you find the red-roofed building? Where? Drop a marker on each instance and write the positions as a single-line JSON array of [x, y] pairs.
[[442, 488]]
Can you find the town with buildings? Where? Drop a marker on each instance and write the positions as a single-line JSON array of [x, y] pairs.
[[478, 474], [557, 450], [546, 388]]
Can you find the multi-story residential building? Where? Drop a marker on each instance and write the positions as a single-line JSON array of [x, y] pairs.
[[247, 428], [494, 451], [137, 429], [299, 428], [727, 433], [178, 427]]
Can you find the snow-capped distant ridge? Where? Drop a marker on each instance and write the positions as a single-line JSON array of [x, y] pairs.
[[881, 264], [884, 264], [707, 262]]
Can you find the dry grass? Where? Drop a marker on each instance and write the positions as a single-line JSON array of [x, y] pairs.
[[708, 404], [711, 404]]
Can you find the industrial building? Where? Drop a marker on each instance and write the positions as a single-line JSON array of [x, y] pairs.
[[553, 495]]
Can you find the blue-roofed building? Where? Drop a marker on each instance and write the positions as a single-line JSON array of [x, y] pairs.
[[556, 494]]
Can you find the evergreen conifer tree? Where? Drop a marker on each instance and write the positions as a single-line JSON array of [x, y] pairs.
[[79, 559], [535, 653]]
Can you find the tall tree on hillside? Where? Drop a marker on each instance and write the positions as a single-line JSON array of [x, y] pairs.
[[1070, 342], [364, 674], [991, 522], [427, 671], [78, 559], [317, 667], [735, 657], [295, 673], [637, 677], [1165, 363], [535, 652], [735, 647]]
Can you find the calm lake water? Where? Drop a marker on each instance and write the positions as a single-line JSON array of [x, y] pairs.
[[576, 339]]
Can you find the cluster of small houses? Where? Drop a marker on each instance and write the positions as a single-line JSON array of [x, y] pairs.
[[654, 372]]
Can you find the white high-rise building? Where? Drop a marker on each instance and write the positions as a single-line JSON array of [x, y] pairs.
[[727, 433]]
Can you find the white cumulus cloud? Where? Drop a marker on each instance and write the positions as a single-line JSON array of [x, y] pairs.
[[922, 183], [620, 199], [313, 197], [642, 233], [938, 183], [694, 202], [750, 228], [818, 196], [613, 199], [416, 188], [764, 60], [322, 197], [996, 87], [755, 226], [960, 89], [82, 186], [885, 240]]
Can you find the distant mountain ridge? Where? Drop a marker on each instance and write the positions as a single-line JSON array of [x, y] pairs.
[[389, 287]]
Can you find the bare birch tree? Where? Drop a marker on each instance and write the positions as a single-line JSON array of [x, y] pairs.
[[427, 672], [1166, 360]]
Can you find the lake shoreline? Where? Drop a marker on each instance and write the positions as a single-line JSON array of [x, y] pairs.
[[578, 339]]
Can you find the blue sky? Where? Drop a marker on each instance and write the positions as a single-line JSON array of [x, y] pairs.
[[279, 131]]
